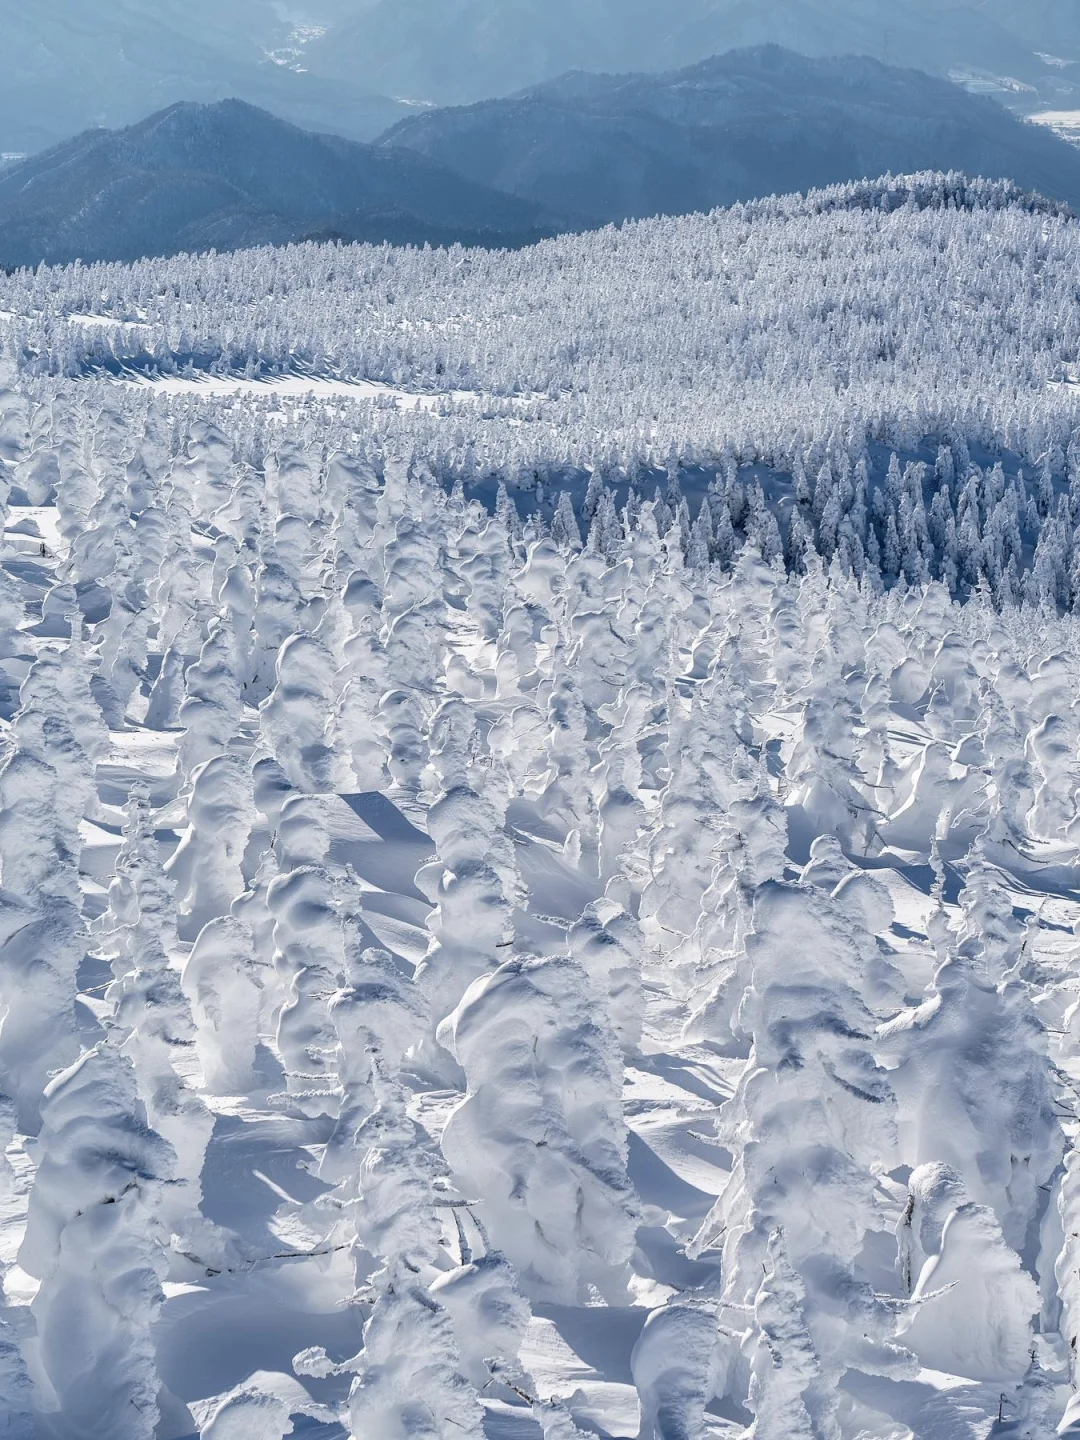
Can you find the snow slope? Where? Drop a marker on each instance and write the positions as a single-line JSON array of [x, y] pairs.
[[529, 962]]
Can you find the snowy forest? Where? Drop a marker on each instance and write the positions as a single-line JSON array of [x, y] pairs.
[[539, 834]]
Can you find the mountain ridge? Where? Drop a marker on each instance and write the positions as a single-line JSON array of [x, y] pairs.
[[750, 122], [458, 51], [227, 176], [577, 152]]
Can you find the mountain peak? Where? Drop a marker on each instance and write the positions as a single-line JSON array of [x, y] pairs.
[[225, 174], [732, 127]]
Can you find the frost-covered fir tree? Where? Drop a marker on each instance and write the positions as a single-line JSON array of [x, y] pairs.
[[813, 1121], [225, 982], [95, 1241], [472, 921], [973, 1303], [153, 1016], [992, 1117], [675, 1369], [140, 909], [207, 865], [378, 1015], [305, 902], [607, 943], [46, 787], [786, 1379], [212, 708], [408, 1375], [296, 720], [16, 1387], [540, 1133], [408, 1383]]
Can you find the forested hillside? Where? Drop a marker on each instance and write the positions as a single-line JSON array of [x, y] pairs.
[[783, 345], [539, 846]]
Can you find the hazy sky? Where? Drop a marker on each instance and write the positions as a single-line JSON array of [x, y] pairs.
[[66, 65]]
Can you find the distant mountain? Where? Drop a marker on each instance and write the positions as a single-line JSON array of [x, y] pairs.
[[456, 51], [942, 37], [224, 176], [353, 67], [579, 151], [460, 51], [66, 65], [1047, 25], [749, 123]]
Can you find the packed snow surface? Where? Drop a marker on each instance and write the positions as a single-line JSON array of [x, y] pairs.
[[511, 935]]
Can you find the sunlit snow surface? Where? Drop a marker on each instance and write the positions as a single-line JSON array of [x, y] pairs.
[[317, 387], [1065, 122], [523, 969]]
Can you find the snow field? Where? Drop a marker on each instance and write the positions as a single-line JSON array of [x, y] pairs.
[[563, 965]]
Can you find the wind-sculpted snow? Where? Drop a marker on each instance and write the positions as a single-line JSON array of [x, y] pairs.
[[532, 956]]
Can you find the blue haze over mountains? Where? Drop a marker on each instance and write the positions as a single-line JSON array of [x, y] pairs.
[[228, 175], [606, 147], [68, 65], [456, 51], [354, 66], [242, 122], [581, 151]]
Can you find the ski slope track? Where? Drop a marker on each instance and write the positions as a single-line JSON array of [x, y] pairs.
[[542, 899]]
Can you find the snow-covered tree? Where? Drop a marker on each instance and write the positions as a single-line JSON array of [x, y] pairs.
[[224, 981], [296, 718], [95, 1240], [975, 1092], [675, 1369], [786, 1384], [212, 708], [973, 1304], [377, 1015], [207, 865], [472, 921], [813, 1122], [46, 787], [540, 1133]]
